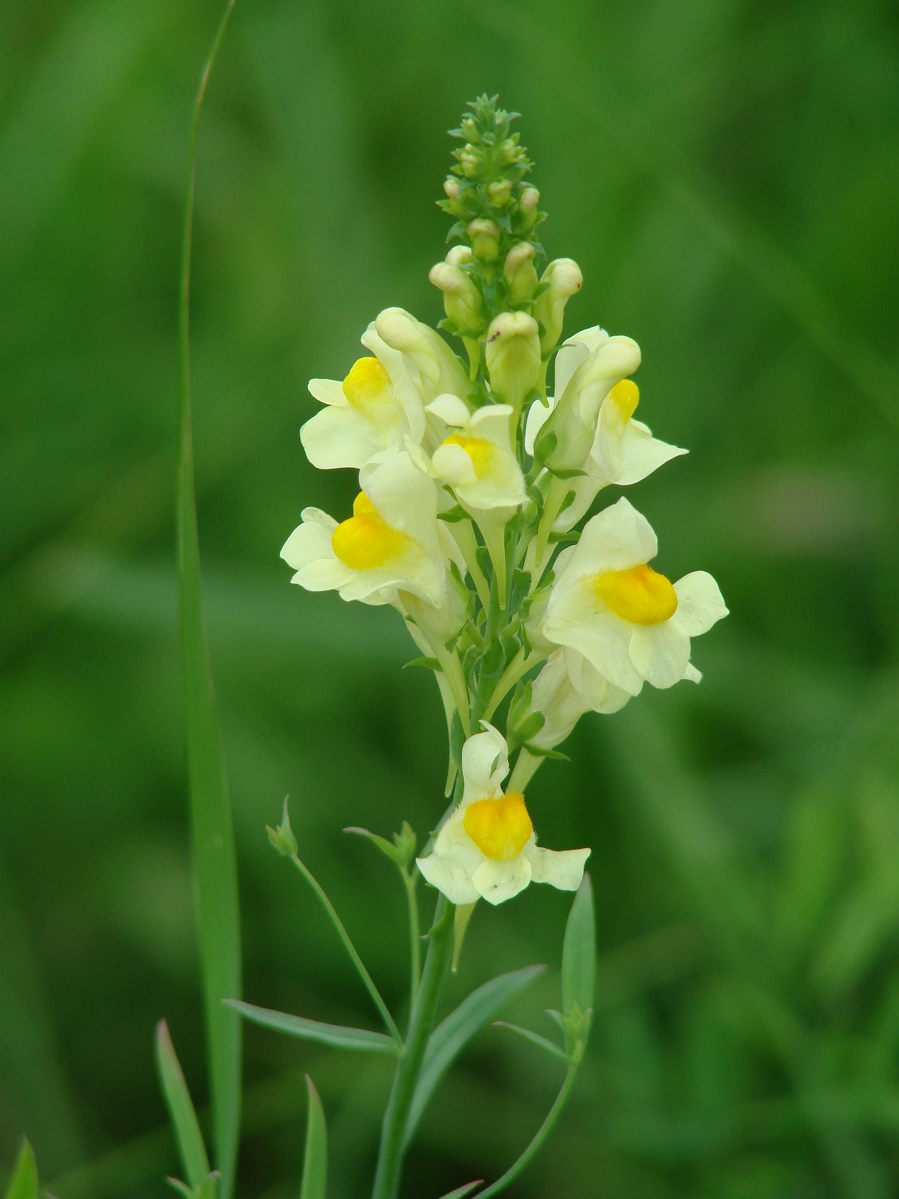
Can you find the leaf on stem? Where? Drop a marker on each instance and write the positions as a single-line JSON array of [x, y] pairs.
[[579, 952], [181, 1109], [579, 970], [450, 1038], [24, 1182], [336, 1035], [534, 1038], [315, 1157]]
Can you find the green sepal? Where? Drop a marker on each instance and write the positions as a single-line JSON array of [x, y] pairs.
[[450, 1038], [282, 837], [23, 1183], [429, 663], [521, 583], [457, 738], [401, 850], [191, 1148], [493, 662], [566, 473], [336, 1035], [315, 1155], [453, 514], [482, 554], [567, 501], [568, 535], [538, 751], [520, 704], [545, 444], [530, 727]]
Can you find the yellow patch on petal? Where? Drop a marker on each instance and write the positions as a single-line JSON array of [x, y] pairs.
[[625, 396], [499, 827], [639, 595], [481, 452], [365, 540], [368, 388]]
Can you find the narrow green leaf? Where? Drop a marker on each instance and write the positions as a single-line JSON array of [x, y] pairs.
[[459, 1192], [208, 1188], [534, 1038], [315, 1158], [451, 1037], [428, 663], [579, 953], [181, 1109], [335, 1035], [24, 1183], [212, 833]]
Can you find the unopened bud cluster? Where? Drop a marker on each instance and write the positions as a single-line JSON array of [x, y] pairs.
[[498, 267]]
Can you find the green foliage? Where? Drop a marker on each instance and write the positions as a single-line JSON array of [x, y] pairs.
[[212, 831], [23, 1183], [313, 1030], [181, 1109], [315, 1155], [450, 1038]]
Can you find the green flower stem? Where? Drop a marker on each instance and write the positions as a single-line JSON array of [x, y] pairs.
[[539, 1137], [452, 669], [410, 880], [424, 1014], [517, 668], [526, 766], [468, 544], [348, 945]]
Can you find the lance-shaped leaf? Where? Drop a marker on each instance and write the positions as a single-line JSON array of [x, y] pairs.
[[181, 1109], [451, 1037], [579, 967], [24, 1184], [336, 1035], [212, 832], [315, 1158]]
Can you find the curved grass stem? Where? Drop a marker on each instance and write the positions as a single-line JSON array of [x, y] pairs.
[[348, 945]]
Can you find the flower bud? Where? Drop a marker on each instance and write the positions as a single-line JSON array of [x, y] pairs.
[[459, 256], [567, 437], [500, 192], [520, 273], [527, 207], [452, 187], [460, 298], [484, 239], [509, 151], [437, 365], [512, 353], [471, 161], [563, 278], [560, 703]]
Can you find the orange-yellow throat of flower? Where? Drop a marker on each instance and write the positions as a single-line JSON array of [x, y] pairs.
[[365, 540], [368, 389], [639, 595], [625, 395], [499, 827], [481, 451]]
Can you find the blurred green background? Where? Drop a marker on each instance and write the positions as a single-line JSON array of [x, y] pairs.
[[726, 173]]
